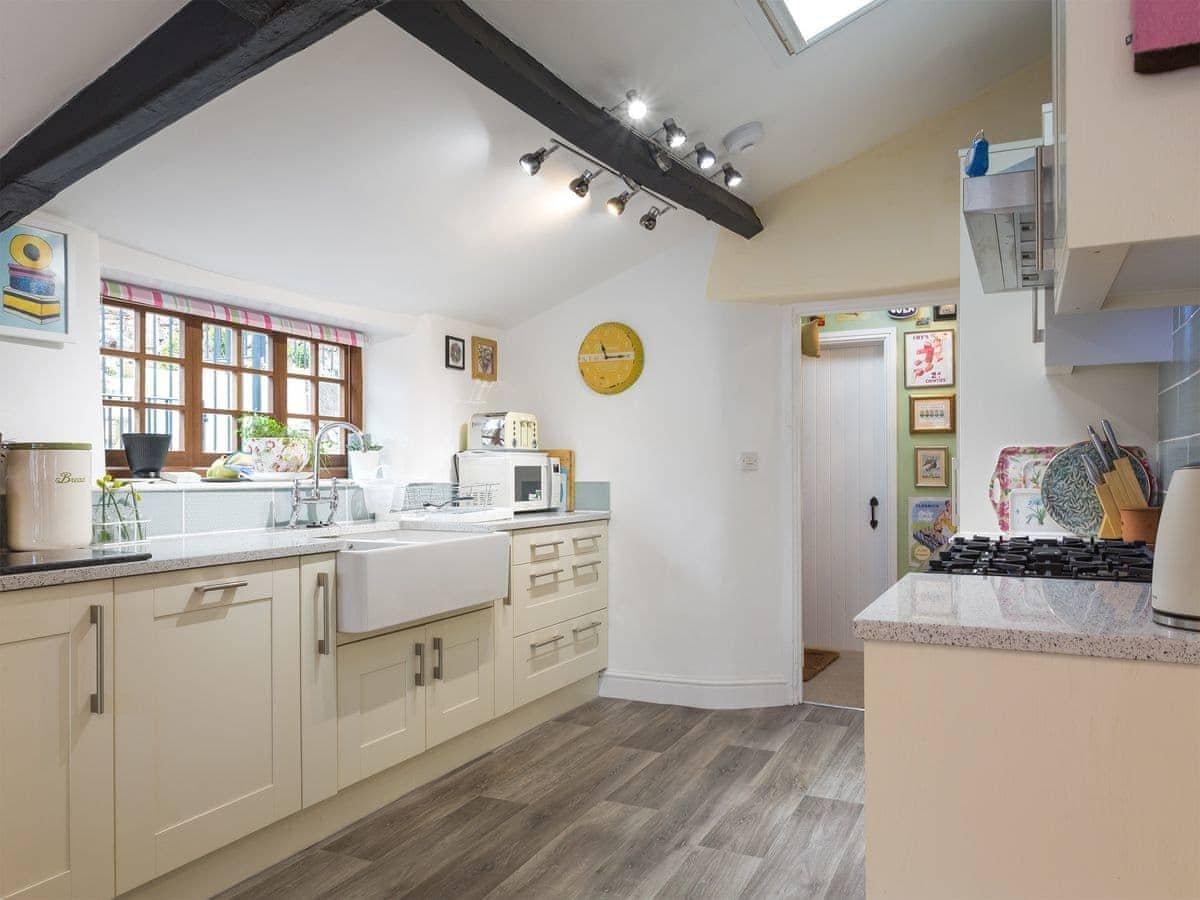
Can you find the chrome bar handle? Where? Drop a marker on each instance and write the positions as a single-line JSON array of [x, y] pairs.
[[437, 659], [550, 640], [588, 627], [222, 586], [534, 576], [419, 655], [546, 544], [325, 643], [588, 537], [1039, 225], [591, 564], [97, 619]]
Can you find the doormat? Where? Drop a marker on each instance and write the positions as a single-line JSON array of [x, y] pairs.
[[816, 661]]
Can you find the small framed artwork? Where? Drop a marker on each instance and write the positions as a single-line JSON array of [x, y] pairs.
[[34, 285], [485, 362], [928, 359], [456, 353], [932, 464], [931, 414], [945, 312]]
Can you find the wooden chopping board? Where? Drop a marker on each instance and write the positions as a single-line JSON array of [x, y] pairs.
[[566, 458]]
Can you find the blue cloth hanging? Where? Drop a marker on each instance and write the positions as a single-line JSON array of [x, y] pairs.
[[977, 157]]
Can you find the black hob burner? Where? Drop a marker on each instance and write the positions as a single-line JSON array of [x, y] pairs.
[[1086, 559]]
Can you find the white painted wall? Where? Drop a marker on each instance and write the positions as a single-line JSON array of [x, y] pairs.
[[52, 393], [416, 407], [1005, 396], [700, 579]]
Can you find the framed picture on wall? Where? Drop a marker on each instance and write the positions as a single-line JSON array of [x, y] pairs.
[[33, 282], [456, 353], [928, 359], [485, 363], [930, 527], [944, 312], [931, 414], [932, 466]]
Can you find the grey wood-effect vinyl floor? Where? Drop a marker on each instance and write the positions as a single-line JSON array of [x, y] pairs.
[[616, 799]]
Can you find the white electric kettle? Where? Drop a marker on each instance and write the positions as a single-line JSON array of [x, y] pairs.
[[1175, 589]]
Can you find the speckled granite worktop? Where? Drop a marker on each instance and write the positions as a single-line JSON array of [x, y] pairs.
[[196, 550], [1039, 615]]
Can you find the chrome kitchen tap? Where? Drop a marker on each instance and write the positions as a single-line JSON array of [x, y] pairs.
[[313, 495]]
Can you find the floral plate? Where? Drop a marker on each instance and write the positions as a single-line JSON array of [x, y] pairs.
[[1071, 499]]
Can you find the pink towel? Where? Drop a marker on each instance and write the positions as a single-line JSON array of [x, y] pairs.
[[1166, 34]]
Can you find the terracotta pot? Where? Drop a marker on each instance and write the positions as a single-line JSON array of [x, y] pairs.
[[1140, 523]]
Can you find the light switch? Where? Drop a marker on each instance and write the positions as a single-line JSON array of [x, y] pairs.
[[748, 460]]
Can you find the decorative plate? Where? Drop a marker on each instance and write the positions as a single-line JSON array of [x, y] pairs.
[[1071, 499]]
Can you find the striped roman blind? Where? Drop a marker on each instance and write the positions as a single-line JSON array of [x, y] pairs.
[[180, 303]]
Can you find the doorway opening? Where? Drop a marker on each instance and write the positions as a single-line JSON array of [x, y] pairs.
[[847, 477], [871, 477]]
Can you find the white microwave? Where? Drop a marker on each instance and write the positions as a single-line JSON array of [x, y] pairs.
[[526, 481]]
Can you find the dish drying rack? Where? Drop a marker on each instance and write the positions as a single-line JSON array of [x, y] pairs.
[[449, 497]]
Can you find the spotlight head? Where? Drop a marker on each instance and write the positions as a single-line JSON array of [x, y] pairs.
[[732, 176], [616, 205], [649, 219], [676, 136], [532, 162], [635, 106], [579, 186], [705, 158]]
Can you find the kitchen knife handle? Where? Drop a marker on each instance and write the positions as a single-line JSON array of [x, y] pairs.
[[1101, 450]]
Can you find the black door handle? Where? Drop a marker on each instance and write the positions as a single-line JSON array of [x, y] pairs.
[[874, 506]]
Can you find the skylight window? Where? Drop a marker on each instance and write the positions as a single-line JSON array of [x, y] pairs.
[[815, 17], [798, 23]]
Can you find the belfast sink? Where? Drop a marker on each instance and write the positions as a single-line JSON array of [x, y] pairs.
[[403, 576]]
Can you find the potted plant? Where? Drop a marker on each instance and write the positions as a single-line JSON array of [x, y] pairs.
[[274, 446], [362, 455]]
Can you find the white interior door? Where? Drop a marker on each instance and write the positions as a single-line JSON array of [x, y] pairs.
[[845, 451]]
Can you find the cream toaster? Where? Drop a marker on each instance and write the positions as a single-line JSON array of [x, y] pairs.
[[503, 431]]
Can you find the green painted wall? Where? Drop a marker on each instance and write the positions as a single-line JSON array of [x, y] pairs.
[[905, 442]]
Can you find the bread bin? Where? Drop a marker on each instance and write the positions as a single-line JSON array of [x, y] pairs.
[[49, 496], [1175, 587]]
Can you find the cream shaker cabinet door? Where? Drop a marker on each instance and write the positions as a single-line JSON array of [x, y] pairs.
[[318, 677], [208, 711], [56, 742], [381, 703], [462, 676]]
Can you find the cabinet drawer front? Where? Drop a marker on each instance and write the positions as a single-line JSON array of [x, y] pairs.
[[195, 590], [554, 657], [548, 544], [39, 612], [550, 592]]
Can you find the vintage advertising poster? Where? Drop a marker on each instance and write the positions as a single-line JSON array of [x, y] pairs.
[[930, 527]]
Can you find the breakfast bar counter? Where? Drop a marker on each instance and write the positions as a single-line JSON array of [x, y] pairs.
[[998, 709], [1040, 615]]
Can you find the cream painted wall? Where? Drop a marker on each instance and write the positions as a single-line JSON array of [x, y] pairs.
[[416, 407], [1006, 397], [700, 580], [883, 222], [52, 393]]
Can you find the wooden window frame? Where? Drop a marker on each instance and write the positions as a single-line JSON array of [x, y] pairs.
[[193, 458]]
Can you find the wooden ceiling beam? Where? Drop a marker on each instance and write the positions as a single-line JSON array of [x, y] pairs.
[[458, 33], [199, 53]]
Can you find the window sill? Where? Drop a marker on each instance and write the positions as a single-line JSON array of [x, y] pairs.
[[157, 486]]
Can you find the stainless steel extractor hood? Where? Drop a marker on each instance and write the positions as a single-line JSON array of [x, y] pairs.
[[1008, 217]]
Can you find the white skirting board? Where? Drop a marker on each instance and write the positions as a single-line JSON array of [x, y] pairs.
[[704, 693]]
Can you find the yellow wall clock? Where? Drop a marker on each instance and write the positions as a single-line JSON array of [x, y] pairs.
[[611, 358]]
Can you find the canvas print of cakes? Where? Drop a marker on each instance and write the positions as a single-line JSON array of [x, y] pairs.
[[34, 280]]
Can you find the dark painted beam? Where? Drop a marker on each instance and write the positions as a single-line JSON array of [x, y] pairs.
[[202, 51], [465, 38]]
